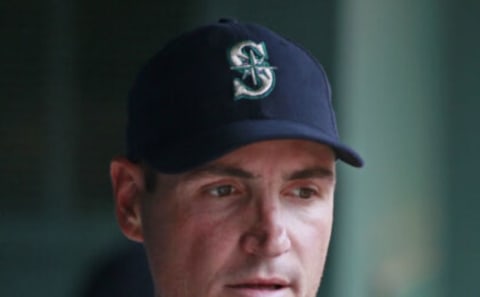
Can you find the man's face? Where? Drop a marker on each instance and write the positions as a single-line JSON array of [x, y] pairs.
[[255, 222]]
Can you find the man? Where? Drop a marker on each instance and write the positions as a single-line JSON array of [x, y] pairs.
[[230, 168]]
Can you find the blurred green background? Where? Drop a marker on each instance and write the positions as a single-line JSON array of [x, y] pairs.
[[405, 76]]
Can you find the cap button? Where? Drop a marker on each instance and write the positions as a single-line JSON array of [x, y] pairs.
[[227, 20]]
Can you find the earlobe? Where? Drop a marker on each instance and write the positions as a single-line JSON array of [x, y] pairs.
[[128, 186]]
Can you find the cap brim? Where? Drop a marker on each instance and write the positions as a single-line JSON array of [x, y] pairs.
[[201, 148]]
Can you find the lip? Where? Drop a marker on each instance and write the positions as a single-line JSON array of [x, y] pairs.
[[260, 287]]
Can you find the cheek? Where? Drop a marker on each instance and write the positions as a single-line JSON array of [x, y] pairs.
[[312, 227], [311, 241], [314, 239], [187, 248]]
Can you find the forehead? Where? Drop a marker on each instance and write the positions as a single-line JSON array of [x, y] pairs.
[[272, 157], [288, 150]]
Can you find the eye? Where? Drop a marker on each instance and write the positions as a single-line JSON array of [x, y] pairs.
[[304, 193], [222, 191]]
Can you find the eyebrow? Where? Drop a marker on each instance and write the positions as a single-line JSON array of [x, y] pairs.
[[222, 171], [232, 171], [313, 172]]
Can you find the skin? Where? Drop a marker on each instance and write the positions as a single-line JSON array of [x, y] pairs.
[[253, 223]]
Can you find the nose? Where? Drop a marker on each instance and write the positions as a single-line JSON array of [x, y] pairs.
[[267, 234]]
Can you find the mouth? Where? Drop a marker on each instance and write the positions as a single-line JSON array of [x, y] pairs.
[[269, 287], [263, 286]]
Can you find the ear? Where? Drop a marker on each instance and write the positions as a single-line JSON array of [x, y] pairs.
[[128, 187]]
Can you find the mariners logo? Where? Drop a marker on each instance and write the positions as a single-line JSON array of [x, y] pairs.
[[257, 80]]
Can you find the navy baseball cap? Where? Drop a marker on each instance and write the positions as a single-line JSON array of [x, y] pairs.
[[223, 86]]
